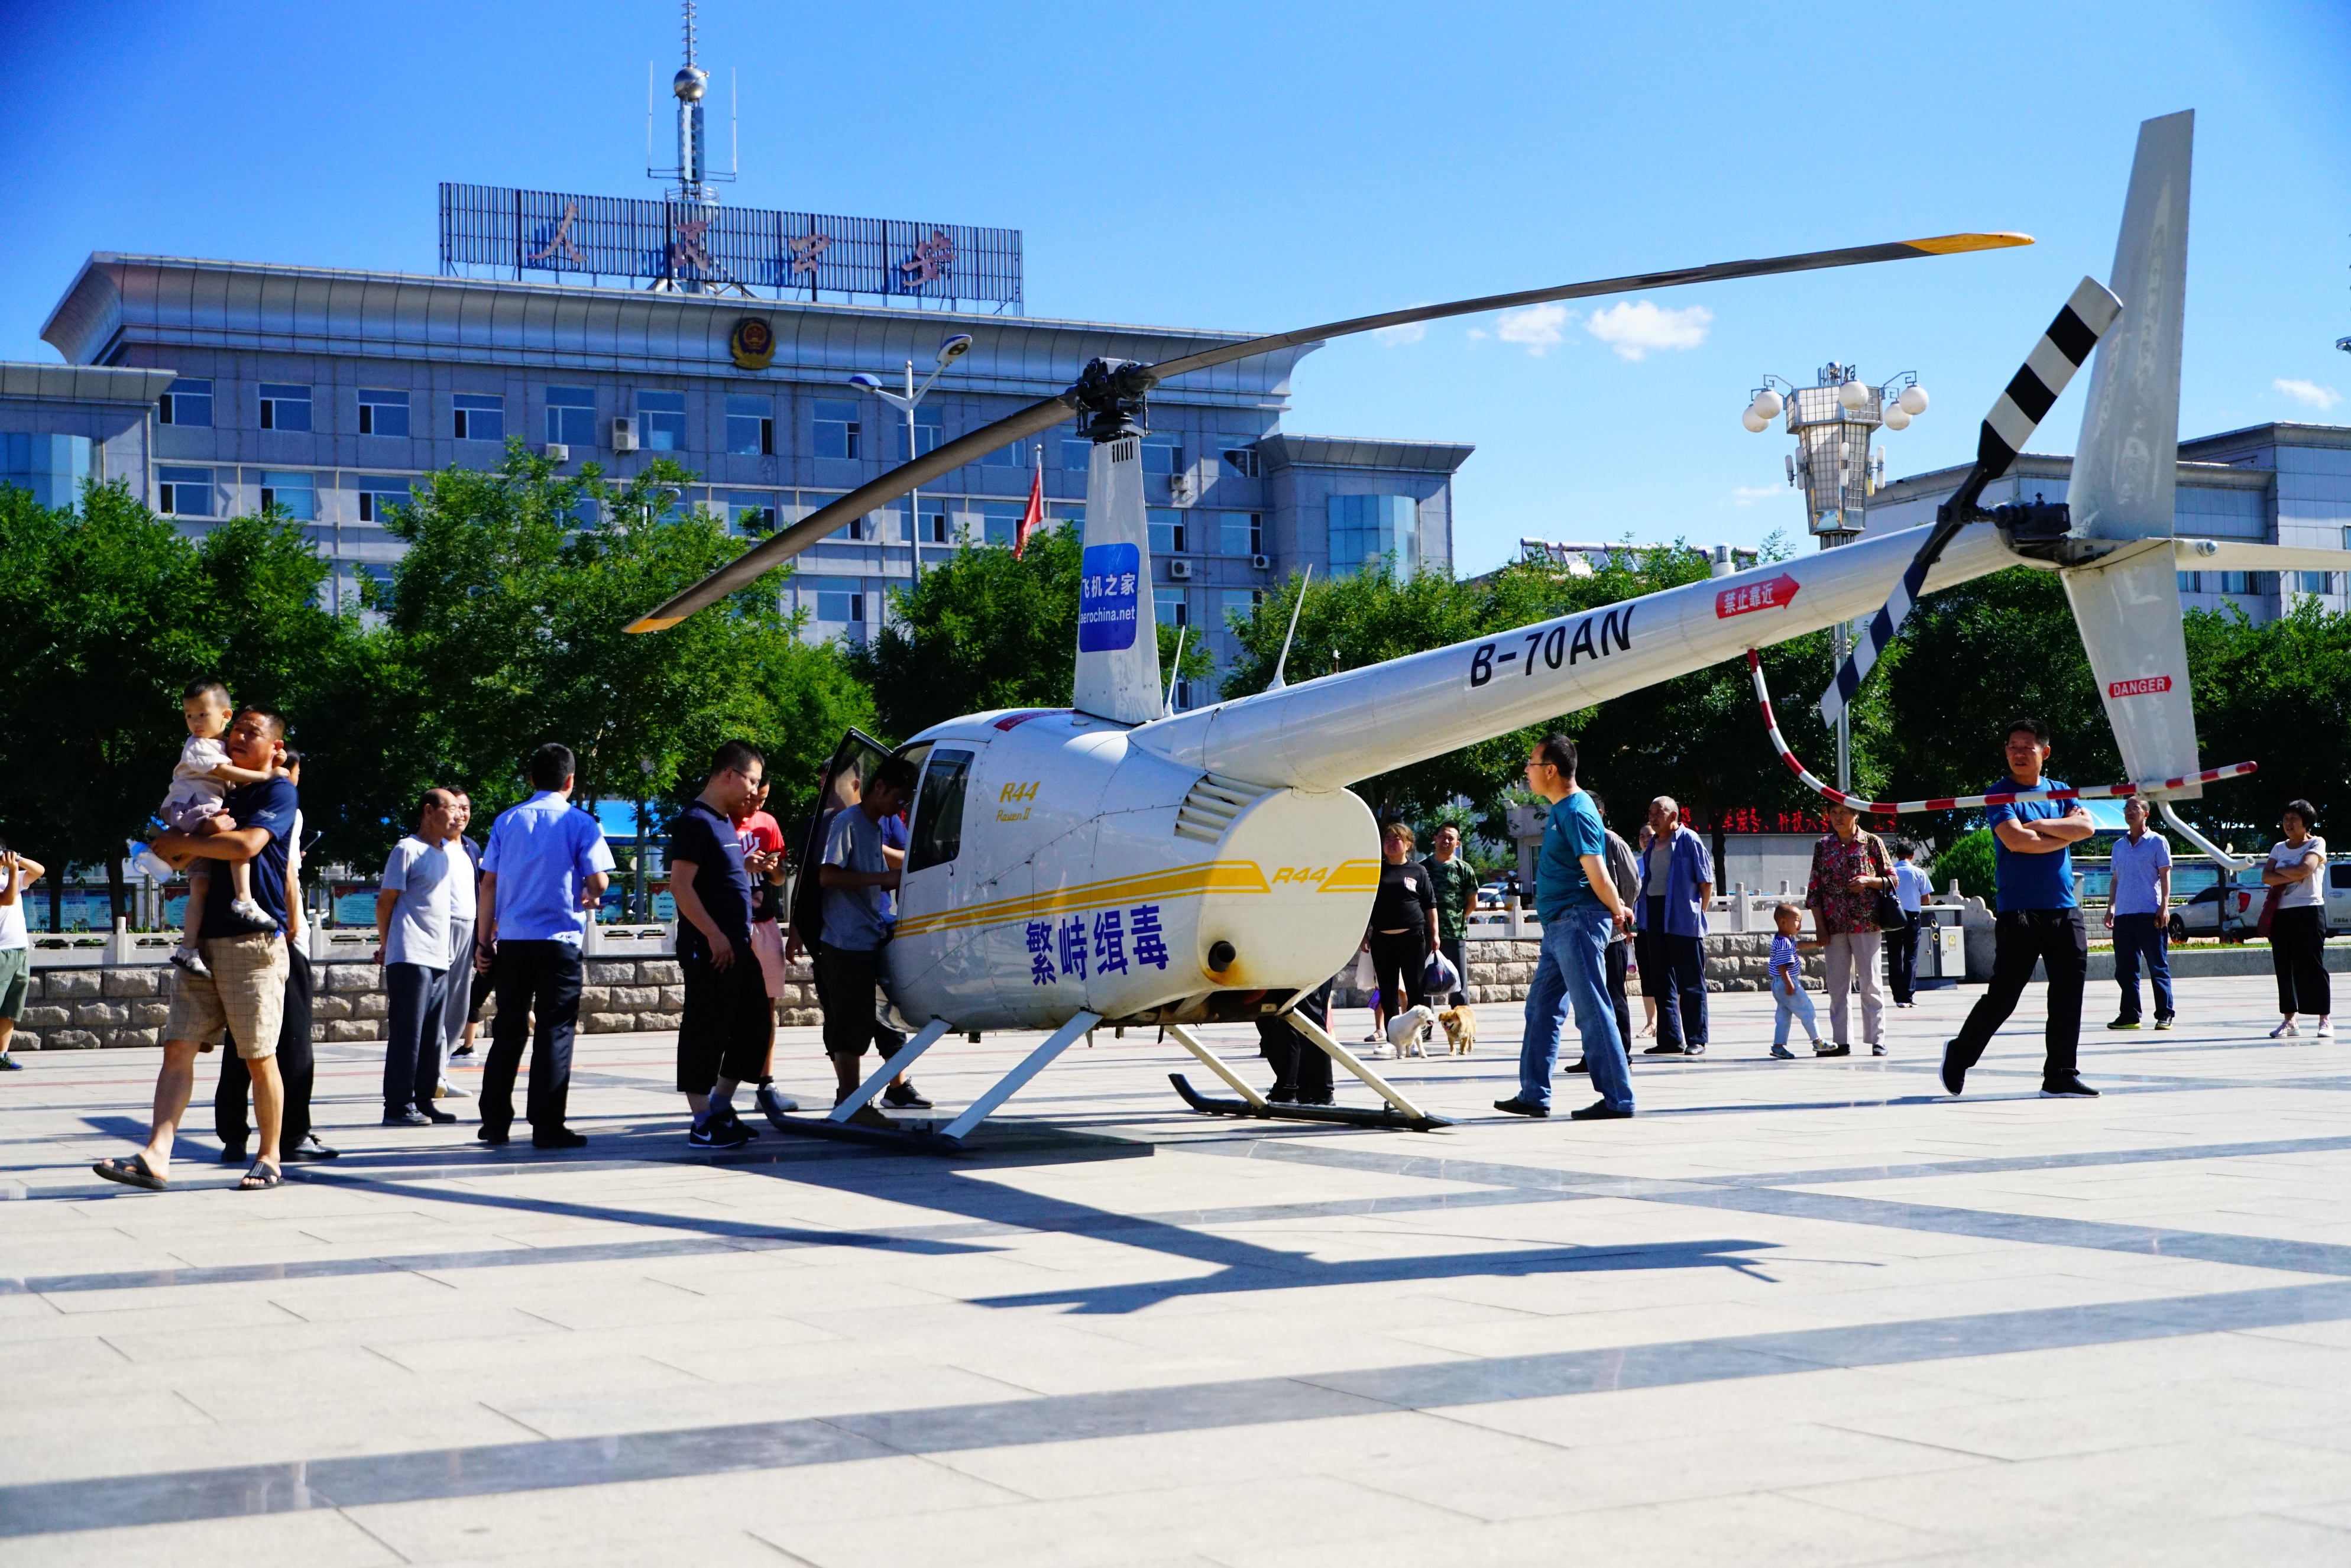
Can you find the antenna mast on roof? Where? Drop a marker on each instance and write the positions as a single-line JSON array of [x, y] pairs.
[[692, 171]]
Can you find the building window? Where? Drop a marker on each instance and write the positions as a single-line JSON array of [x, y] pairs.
[[1076, 455], [188, 403], [1241, 605], [185, 492], [837, 429], [660, 420], [1021, 454], [1166, 530], [2316, 581], [750, 518], [842, 608], [2236, 581], [379, 497], [750, 426], [383, 412], [1163, 454], [476, 416], [929, 432], [2192, 583], [1000, 521], [1240, 462], [1368, 530], [285, 407], [295, 495], [1240, 534], [571, 416], [1170, 609]]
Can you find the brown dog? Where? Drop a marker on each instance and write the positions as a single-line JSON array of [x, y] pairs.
[[1461, 1030]]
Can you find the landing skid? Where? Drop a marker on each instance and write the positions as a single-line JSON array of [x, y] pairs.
[[1270, 1111], [929, 1137]]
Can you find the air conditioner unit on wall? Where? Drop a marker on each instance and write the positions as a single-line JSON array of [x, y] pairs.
[[1179, 570], [1262, 562], [556, 452], [1179, 485], [624, 435]]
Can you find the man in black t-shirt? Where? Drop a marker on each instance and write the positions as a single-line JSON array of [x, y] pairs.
[[723, 1038]]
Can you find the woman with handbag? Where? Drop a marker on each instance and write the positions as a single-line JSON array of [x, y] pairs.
[[2295, 918], [1852, 882]]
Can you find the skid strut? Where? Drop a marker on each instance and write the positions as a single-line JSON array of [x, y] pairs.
[[1399, 1112], [927, 1134]]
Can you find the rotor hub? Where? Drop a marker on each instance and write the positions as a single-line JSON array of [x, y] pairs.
[[1112, 396]]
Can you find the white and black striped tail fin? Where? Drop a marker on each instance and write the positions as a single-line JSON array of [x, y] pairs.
[[2025, 401]]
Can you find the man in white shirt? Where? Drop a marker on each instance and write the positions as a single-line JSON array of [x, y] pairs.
[[1912, 889], [413, 914]]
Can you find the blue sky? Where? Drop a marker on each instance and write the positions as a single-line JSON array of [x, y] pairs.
[[1264, 166]]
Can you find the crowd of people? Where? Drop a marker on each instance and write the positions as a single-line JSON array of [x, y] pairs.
[[462, 922]]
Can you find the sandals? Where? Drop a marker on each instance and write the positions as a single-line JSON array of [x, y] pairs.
[[132, 1172], [261, 1177]]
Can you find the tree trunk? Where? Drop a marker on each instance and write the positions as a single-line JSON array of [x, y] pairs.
[[115, 891], [642, 910], [58, 901]]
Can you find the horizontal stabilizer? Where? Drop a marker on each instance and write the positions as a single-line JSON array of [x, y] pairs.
[[2230, 555]]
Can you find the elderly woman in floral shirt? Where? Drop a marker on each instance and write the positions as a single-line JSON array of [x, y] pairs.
[[1850, 869]]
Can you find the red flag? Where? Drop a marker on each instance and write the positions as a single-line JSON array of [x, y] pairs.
[[1034, 514]]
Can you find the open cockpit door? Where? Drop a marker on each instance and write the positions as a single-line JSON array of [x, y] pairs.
[[842, 783]]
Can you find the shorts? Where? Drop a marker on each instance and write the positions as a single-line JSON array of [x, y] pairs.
[[725, 1031], [846, 980], [244, 994], [15, 979], [188, 815], [768, 943]]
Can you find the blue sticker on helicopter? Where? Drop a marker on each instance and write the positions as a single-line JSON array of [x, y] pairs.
[[1107, 594]]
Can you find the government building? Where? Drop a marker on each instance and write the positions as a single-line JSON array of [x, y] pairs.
[[214, 389]]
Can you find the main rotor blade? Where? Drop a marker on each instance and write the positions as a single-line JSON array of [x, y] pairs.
[[2017, 414], [1856, 256], [770, 553]]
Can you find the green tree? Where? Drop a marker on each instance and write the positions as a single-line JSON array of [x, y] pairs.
[[1970, 860], [2279, 695]]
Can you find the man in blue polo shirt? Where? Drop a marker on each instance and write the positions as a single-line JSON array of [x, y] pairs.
[[1577, 902], [2038, 921], [2139, 913], [546, 865]]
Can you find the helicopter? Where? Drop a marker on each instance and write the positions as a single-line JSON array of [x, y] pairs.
[[1112, 865]]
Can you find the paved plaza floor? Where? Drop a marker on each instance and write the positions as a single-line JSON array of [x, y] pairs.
[[1807, 1312]]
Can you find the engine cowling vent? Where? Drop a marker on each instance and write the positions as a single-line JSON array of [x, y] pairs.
[[1210, 805]]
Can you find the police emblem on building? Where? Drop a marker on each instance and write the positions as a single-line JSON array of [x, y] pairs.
[[752, 343]]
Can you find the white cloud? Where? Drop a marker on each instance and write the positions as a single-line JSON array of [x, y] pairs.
[[1635, 327], [1479, 334], [2310, 394], [1748, 495], [1410, 332], [1538, 327]]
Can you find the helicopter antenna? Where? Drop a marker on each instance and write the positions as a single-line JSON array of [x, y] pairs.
[[1175, 671], [1278, 682]]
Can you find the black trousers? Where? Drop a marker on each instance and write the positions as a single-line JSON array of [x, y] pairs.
[[1619, 961], [1456, 953], [1902, 957], [1673, 970], [2298, 954], [2052, 938], [1301, 1073], [724, 1033], [542, 979], [296, 1067], [1401, 960], [412, 1035]]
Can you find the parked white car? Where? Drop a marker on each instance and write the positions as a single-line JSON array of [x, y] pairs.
[[2200, 915]]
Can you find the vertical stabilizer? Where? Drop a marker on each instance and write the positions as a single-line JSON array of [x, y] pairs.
[[2126, 471], [2125, 466], [1118, 629]]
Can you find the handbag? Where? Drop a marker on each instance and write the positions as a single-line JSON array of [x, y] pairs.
[[1367, 973], [2269, 907], [1885, 909]]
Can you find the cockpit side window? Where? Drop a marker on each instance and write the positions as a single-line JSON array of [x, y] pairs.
[[938, 833]]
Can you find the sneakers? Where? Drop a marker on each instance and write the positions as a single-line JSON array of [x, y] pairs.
[[1782, 1054], [2325, 1030], [190, 960], [250, 917], [774, 1101], [561, 1138], [1840, 1048], [8, 1063], [1955, 1077], [1878, 1049], [408, 1118], [904, 1097], [2285, 1031], [2163, 1020], [1663, 1051], [1518, 1107], [461, 1049], [1698, 1049], [865, 1115], [2067, 1089], [439, 1117], [1600, 1111], [310, 1148], [2126, 1023], [1578, 1065], [718, 1131]]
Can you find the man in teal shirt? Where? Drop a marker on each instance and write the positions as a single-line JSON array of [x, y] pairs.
[[1576, 900]]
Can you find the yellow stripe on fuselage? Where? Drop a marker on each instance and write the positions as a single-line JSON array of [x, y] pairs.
[[1178, 882], [1353, 876]]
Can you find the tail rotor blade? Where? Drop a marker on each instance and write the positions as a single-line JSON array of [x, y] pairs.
[[2017, 414], [772, 553]]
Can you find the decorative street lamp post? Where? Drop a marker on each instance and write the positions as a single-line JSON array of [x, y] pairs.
[[953, 348]]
